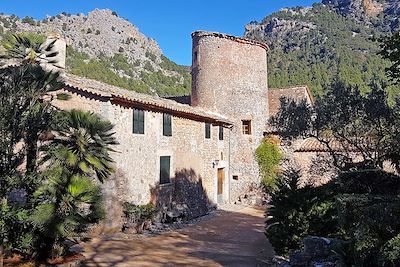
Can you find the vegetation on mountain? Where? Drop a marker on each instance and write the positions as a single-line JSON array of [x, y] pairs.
[[149, 80], [113, 52], [391, 51], [315, 46]]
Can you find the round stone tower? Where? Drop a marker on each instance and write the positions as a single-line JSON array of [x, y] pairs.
[[229, 76]]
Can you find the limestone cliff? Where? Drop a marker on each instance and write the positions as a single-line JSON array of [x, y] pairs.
[[112, 48], [362, 8], [330, 40]]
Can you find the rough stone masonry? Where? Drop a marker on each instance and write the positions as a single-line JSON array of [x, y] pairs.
[[211, 147]]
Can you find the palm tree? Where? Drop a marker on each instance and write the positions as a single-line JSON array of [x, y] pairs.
[[67, 200], [29, 48], [85, 140], [24, 115], [70, 200]]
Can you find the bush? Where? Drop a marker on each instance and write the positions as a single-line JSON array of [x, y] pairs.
[[29, 20], [63, 96], [298, 212], [139, 213], [370, 181], [362, 207], [371, 223], [147, 66], [268, 157]]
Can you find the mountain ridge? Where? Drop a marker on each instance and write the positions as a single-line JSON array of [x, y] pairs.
[[106, 47], [331, 40]]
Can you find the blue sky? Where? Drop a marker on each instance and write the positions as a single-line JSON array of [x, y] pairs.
[[168, 22]]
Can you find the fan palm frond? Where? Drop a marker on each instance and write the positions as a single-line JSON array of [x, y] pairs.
[[29, 48], [85, 142]]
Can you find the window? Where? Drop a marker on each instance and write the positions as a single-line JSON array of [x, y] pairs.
[[246, 127], [138, 121], [221, 133], [195, 57], [165, 164], [235, 177], [167, 125], [208, 130]]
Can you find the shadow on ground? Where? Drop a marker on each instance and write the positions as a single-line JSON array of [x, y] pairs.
[[230, 238]]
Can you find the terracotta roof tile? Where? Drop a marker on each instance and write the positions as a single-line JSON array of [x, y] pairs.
[[297, 93], [152, 102], [185, 99], [313, 145]]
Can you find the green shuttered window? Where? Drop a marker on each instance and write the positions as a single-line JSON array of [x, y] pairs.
[[208, 130], [138, 121], [167, 125], [165, 164], [221, 133]]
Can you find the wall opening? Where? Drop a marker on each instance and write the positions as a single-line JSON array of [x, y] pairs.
[[246, 127]]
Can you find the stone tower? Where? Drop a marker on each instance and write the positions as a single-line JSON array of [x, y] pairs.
[[229, 76]]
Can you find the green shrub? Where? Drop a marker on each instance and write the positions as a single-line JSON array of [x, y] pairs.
[[147, 66], [298, 212], [29, 20], [101, 69], [369, 181], [391, 251], [268, 156], [139, 213], [151, 56], [372, 225], [63, 96], [362, 207]]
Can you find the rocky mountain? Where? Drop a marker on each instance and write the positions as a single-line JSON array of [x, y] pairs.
[[106, 47], [335, 39], [364, 9]]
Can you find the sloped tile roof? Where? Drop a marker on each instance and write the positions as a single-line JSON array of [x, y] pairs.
[[296, 93], [143, 100], [313, 145], [185, 99]]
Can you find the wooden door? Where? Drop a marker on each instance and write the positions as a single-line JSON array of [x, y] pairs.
[[221, 176]]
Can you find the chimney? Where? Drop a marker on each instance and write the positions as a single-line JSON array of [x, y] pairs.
[[59, 46]]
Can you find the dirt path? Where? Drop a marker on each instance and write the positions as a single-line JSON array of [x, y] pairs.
[[231, 238]]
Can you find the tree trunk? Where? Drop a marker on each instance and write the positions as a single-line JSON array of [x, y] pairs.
[[1, 255], [31, 153]]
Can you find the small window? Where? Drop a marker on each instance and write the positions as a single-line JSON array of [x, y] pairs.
[[138, 121], [246, 127], [167, 125], [195, 57], [165, 164], [235, 177], [208, 130], [221, 133]]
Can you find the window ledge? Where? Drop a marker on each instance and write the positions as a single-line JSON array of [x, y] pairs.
[[166, 185]]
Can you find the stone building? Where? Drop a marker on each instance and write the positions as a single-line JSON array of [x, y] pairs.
[[229, 76], [192, 151]]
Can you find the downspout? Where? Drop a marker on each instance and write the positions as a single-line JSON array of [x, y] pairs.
[[229, 163]]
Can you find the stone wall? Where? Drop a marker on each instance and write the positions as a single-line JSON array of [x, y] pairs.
[[229, 76], [193, 157]]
